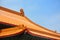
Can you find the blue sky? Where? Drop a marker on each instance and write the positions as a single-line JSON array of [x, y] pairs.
[[43, 12]]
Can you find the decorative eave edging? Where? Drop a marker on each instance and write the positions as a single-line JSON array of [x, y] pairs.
[[22, 30]]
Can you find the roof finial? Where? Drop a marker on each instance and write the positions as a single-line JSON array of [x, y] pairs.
[[21, 12]]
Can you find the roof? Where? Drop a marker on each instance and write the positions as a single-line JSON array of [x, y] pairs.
[[9, 10], [30, 22], [15, 12]]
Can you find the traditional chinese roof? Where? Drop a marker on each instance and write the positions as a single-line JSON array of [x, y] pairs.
[[18, 18]]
